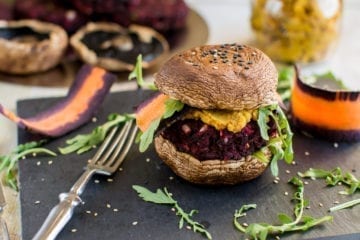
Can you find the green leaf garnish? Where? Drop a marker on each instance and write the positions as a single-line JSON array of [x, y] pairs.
[[288, 224], [8, 163], [334, 177], [137, 74], [285, 82], [145, 138], [84, 142], [164, 197], [281, 147], [345, 205]]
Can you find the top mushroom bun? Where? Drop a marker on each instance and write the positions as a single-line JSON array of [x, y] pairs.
[[229, 126]]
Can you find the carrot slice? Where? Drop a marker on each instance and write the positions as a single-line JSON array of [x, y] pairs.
[[150, 110], [88, 91]]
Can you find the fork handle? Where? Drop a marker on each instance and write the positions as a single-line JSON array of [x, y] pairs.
[[58, 216]]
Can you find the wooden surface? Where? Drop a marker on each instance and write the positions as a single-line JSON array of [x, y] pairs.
[[216, 205]]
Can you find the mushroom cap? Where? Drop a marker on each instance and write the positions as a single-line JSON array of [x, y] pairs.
[[24, 56], [229, 76], [209, 172], [123, 42]]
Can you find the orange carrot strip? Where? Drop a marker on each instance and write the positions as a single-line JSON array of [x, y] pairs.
[[151, 111]]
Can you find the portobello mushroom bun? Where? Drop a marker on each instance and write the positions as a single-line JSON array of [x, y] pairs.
[[220, 122]]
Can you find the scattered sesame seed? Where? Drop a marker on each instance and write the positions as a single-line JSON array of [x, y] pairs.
[[108, 205], [215, 67], [23, 157], [74, 230], [95, 214], [287, 171], [188, 227], [293, 163], [193, 53], [134, 223], [147, 159], [93, 146], [286, 193], [96, 181], [115, 210], [277, 237], [173, 209], [277, 178], [88, 212], [339, 183], [42, 179], [94, 119], [336, 145], [276, 181], [110, 180], [170, 194], [34, 154], [120, 169], [306, 182], [313, 178], [307, 153], [307, 207], [171, 178], [336, 202], [38, 163], [50, 162], [37, 202], [245, 224], [89, 160], [320, 204]]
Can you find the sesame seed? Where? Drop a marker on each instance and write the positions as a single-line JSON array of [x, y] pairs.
[[339, 183], [307, 207], [95, 214], [34, 154], [94, 119], [42, 179], [73, 230], [286, 193], [38, 163], [277, 178], [215, 67], [277, 237], [93, 146], [171, 178], [245, 224], [193, 53], [287, 171], [336, 202], [307, 153], [120, 169], [336, 145], [147, 159], [50, 162], [23, 157], [293, 163], [320, 204], [306, 182], [134, 223], [115, 210], [110, 180], [37, 202], [173, 209], [188, 227], [96, 181], [276, 181], [88, 212], [108, 205], [89, 160]]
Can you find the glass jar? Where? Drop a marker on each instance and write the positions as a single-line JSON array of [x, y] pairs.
[[300, 31]]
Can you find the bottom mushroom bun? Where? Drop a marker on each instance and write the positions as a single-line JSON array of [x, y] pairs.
[[216, 120]]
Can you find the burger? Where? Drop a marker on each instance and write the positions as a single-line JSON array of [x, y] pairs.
[[221, 122]]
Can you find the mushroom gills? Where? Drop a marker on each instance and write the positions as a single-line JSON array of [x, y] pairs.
[[106, 44], [22, 34]]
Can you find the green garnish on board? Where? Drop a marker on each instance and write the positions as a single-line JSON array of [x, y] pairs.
[[8, 163], [84, 142], [300, 222], [285, 81], [137, 74], [281, 146], [164, 197], [334, 177], [344, 205]]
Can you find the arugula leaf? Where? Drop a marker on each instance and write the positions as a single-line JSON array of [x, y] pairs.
[[85, 142], [8, 162], [300, 223], [285, 82], [280, 147], [145, 138], [164, 197], [137, 74], [345, 205], [334, 177]]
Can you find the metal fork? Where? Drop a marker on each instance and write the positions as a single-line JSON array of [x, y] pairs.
[[106, 161]]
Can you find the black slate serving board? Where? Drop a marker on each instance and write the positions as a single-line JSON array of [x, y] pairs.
[[136, 219]]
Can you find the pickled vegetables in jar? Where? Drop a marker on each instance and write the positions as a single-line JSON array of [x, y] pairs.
[[296, 31]]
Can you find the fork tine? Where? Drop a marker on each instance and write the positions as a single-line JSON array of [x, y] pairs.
[[122, 148], [115, 140]]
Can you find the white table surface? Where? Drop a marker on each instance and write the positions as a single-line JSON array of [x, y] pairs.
[[228, 22]]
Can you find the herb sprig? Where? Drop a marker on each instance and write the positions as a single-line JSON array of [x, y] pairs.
[[8, 162], [84, 142], [137, 74], [333, 177], [288, 224], [164, 197], [280, 147], [344, 205], [285, 82], [145, 138]]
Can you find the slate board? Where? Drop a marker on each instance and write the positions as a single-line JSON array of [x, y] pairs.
[[216, 205]]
